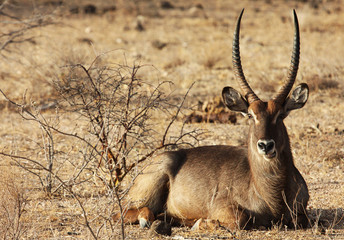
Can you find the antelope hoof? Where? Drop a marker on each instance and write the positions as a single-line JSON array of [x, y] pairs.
[[143, 223], [145, 217], [196, 226]]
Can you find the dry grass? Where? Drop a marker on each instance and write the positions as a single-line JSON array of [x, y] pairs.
[[198, 49]]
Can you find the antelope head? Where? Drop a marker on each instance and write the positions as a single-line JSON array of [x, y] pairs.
[[268, 138]]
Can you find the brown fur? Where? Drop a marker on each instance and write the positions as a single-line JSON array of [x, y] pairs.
[[222, 184]]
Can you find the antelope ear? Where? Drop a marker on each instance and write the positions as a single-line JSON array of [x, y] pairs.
[[298, 98], [233, 100]]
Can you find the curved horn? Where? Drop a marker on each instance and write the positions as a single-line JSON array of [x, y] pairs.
[[248, 92], [294, 65]]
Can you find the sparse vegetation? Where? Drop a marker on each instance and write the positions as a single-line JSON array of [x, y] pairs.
[[59, 170]]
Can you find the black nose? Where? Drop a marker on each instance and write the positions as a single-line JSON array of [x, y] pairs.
[[266, 146]]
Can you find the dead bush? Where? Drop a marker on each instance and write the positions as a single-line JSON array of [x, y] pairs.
[[12, 206], [112, 106]]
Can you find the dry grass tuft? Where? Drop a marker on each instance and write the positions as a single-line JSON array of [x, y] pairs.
[[174, 63], [211, 56], [316, 82], [210, 61]]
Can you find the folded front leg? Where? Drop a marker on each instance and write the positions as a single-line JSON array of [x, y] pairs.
[[144, 216]]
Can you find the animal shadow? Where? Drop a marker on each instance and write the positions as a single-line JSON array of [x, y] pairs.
[[326, 221]]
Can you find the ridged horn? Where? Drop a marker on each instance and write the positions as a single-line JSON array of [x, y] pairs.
[[248, 92], [294, 66]]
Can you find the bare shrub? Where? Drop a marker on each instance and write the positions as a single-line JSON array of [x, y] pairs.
[[114, 130], [12, 207], [118, 106], [41, 168]]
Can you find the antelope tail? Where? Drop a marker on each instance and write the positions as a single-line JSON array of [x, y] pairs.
[[150, 188]]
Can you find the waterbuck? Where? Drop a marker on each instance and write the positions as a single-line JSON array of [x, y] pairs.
[[236, 187]]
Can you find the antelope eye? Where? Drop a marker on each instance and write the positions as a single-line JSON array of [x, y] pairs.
[[249, 115]]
